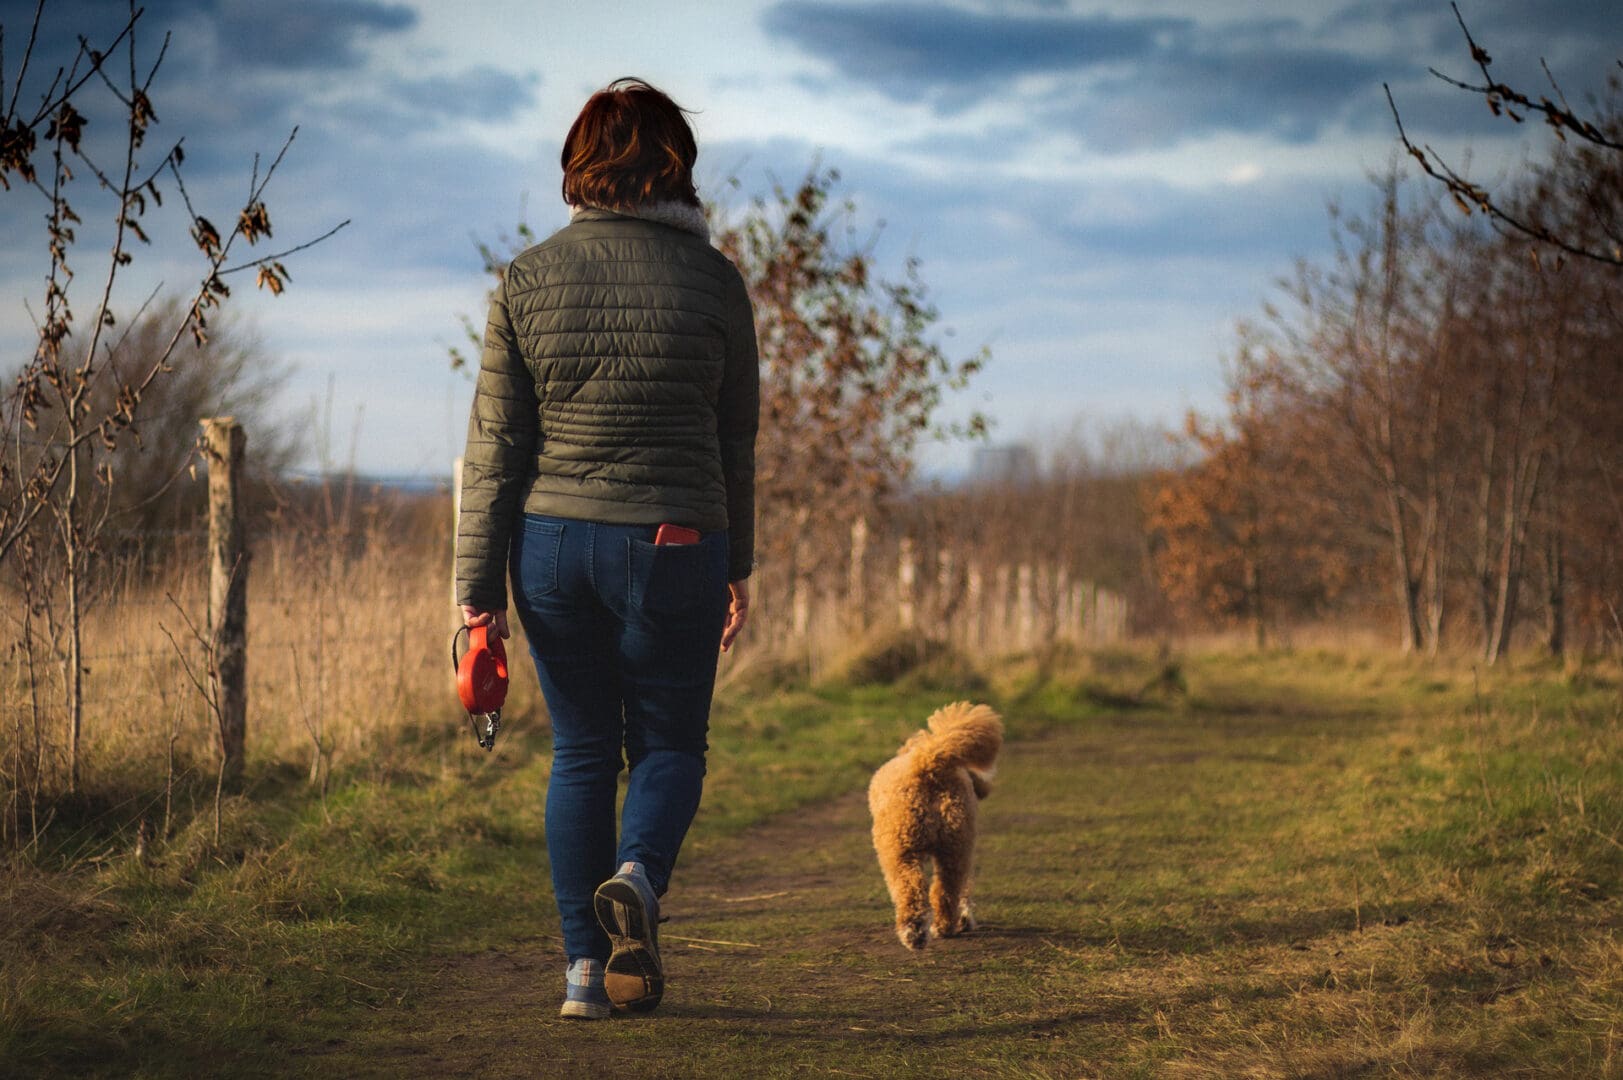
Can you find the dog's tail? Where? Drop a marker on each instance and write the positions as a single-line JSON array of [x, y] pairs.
[[962, 735]]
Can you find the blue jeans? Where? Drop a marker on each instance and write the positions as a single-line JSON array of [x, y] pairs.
[[625, 636]]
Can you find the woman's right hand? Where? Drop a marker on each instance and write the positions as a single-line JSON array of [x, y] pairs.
[[472, 616], [737, 611]]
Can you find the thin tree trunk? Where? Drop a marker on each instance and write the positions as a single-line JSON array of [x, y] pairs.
[[1391, 309], [1439, 510], [1512, 557], [1506, 600], [1407, 587], [75, 682], [1525, 463], [73, 549], [1436, 530], [1259, 621], [1555, 577], [1484, 536], [1435, 605], [38, 777]]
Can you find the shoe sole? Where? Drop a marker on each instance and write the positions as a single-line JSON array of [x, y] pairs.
[[584, 1010], [633, 977]]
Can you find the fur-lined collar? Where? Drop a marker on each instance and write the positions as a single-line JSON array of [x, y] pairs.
[[678, 215]]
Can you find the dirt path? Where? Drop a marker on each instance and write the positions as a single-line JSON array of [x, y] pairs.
[[1209, 895], [778, 938]]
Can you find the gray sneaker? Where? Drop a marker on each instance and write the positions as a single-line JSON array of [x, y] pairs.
[[584, 998], [629, 912]]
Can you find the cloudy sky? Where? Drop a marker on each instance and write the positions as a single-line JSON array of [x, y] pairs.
[[1096, 189]]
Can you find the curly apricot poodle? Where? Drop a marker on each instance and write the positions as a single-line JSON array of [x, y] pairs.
[[923, 802]]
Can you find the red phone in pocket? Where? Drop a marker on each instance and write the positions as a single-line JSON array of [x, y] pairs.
[[675, 534]]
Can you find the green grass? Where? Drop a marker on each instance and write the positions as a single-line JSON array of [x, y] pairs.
[[1277, 864]]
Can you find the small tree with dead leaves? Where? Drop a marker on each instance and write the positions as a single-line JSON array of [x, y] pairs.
[[72, 407], [850, 377]]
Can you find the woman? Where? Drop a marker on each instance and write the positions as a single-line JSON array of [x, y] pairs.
[[610, 465]]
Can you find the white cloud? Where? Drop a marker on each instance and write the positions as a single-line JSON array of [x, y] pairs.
[[1244, 173]]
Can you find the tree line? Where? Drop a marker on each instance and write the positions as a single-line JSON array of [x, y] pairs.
[[1428, 425]]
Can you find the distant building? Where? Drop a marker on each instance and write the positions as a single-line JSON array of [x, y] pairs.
[[996, 466]]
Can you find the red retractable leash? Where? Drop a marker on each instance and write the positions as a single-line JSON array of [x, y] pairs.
[[481, 680]]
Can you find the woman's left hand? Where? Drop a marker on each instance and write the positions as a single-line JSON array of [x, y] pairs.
[[737, 611]]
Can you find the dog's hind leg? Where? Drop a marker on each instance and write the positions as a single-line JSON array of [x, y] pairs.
[[904, 877], [949, 894]]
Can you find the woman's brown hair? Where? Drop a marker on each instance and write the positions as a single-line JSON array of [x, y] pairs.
[[630, 145]]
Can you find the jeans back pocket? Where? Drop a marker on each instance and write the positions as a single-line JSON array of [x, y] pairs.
[[535, 555], [678, 579]]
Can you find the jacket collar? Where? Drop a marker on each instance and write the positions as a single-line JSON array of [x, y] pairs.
[[677, 215]]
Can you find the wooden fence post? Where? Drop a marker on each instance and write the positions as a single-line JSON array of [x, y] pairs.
[[857, 577], [800, 579], [1003, 628], [224, 442], [905, 597], [975, 602], [1025, 606], [1062, 604], [800, 597], [946, 593]]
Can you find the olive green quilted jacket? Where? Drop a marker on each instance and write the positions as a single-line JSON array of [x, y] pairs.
[[619, 383]]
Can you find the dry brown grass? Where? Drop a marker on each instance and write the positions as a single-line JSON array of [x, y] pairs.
[[348, 657]]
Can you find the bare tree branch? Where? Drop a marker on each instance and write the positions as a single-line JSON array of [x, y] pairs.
[[1513, 214]]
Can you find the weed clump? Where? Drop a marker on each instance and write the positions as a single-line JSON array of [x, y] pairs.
[[1112, 679], [764, 672], [908, 661]]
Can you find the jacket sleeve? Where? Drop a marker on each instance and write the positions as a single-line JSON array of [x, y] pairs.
[[737, 418], [497, 464]]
